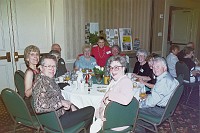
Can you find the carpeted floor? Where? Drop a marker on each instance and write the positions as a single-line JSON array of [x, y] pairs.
[[185, 119]]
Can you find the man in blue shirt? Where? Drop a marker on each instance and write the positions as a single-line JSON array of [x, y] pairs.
[[154, 104]]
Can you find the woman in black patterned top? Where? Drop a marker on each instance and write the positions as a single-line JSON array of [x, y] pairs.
[[47, 97], [142, 69]]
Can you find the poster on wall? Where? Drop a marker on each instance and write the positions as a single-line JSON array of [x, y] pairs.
[[112, 37], [125, 39]]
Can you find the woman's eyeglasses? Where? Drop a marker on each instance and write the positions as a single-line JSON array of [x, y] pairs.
[[116, 68]]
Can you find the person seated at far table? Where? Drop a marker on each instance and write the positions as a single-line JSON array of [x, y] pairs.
[[47, 97], [120, 90], [154, 103], [172, 59], [61, 69], [150, 83], [85, 61], [61, 66], [187, 59], [101, 52], [181, 54], [142, 69]]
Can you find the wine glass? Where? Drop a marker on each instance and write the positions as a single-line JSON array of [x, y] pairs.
[[67, 77], [73, 77]]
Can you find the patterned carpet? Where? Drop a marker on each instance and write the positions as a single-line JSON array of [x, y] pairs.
[[185, 119]]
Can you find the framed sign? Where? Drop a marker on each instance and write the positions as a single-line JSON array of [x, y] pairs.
[[125, 39], [112, 37]]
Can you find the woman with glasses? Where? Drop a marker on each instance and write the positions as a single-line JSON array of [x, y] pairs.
[[142, 69], [120, 90], [85, 61], [47, 97], [31, 58]]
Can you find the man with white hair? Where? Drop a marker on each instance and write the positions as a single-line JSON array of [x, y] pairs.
[[154, 104]]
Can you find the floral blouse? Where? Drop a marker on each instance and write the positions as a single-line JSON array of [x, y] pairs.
[[47, 95]]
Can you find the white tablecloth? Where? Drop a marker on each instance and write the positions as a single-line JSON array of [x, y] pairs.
[[83, 98]]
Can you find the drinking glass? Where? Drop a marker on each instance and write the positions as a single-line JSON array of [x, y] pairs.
[[67, 77], [99, 78], [142, 93]]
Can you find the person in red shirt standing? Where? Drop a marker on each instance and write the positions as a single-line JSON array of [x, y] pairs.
[[101, 52]]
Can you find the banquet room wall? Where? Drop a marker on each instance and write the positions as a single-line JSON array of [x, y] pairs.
[[134, 14]]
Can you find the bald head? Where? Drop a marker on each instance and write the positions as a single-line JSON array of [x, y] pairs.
[[56, 46]]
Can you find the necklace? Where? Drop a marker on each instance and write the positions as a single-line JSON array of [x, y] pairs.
[[103, 52]]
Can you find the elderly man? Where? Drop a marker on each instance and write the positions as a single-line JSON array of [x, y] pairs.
[[61, 68], [154, 104]]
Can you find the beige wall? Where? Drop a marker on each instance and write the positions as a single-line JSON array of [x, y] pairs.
[[109, 14], [192, 4]]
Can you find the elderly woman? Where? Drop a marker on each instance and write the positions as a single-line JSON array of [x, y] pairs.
[[150, 83], [85, 61], [101, 52], [47, 97], [119, 90], [31, 58], [61, 67], [142, 69]]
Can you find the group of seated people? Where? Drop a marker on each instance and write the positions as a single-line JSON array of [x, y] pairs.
[[151, 70]]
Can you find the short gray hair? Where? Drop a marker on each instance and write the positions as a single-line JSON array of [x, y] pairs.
[[47, 56], [161, 60], [142, 51], [120, 59]]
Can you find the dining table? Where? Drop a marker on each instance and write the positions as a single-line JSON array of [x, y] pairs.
[[82, 97], [92, 96]]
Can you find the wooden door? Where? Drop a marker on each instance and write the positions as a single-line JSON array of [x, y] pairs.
[[28, 22], [180, 26]]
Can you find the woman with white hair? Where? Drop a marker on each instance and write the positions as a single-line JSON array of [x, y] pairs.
[[142, 69]]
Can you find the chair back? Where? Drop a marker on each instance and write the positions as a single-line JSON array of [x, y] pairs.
[[118, 115], [180, 79], [19, 82], [50, 122], [17, 108], [172, 103], [181, 68]]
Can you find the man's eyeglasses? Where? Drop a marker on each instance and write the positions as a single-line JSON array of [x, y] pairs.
[[116, 68], [49, 66]]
